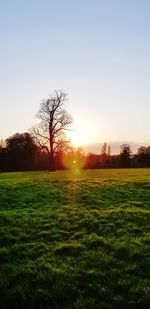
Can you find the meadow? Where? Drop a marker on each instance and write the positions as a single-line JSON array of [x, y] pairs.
[[75, 239]]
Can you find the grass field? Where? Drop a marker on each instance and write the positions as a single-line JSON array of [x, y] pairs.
[[75, 239]]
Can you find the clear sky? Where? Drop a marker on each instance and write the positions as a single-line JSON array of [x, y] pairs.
[[96, 50]]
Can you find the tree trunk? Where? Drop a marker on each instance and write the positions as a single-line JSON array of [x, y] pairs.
[[52, 159]]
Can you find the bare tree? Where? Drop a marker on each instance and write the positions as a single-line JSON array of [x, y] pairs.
[[54, 121]]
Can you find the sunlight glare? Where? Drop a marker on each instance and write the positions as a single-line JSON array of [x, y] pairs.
[[79, 137]]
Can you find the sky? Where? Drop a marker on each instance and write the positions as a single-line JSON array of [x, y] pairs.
[[96, 50]]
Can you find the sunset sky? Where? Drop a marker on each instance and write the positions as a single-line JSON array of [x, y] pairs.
[[98, 51]]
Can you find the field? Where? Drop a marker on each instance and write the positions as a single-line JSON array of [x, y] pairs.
[[75, 239]]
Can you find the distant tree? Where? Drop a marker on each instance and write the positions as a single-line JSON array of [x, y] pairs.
[[104, 149], [63, 147], [21, 151], [80, 157], [125, 152], [109, 156], [42, 159], [109, 151], [3, 157], [92, 161], [143, 156], [104, 155], [54, 121]]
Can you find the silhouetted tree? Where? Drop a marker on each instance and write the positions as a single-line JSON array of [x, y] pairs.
[[21, 151], [54, 121], [92, 161], [4, 166], [42, 159], [109, 151], [125, 152], [63, 147], [143, 156], [109, 156], [104, 155], [80, 157]]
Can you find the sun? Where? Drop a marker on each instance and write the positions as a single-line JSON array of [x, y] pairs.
[[79, 137]]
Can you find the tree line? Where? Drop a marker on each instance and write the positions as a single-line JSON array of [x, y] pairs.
[[46, 146]]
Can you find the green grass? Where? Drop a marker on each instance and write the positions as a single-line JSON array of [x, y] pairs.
[[75, 239]]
